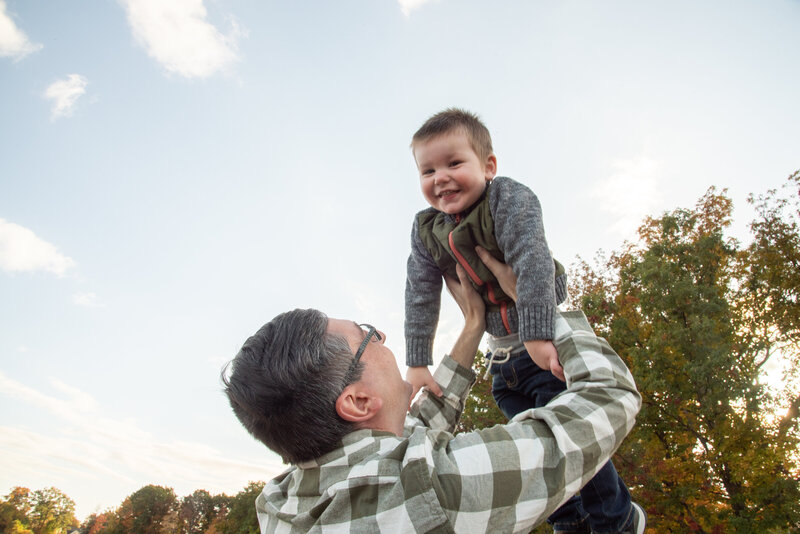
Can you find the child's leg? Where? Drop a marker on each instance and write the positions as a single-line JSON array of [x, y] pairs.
[[513, 396], [607, 501]]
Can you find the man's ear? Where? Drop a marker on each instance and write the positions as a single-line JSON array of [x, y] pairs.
[[490, 168], [357, 405]]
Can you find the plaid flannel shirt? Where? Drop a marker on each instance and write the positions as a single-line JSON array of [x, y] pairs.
[[503, 479]]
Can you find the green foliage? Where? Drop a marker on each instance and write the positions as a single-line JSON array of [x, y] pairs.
[[696, 317], [155, 509], [45, 511], [147, 510], [53, 511], [198, 510], [480, 410], [241, 517]]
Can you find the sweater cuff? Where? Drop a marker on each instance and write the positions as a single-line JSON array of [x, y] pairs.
[[419, 351], [536, 322]]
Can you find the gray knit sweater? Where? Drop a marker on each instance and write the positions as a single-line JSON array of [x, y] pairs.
[[519, 232]]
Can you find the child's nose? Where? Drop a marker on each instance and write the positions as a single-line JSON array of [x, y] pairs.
[[441, 177]]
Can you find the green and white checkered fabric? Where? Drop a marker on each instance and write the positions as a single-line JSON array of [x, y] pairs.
[[504, 479]]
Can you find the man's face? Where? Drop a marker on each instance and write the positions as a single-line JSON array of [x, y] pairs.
[[452, 176], [381, 373]]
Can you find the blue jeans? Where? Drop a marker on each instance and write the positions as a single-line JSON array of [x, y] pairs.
[[520, 384]]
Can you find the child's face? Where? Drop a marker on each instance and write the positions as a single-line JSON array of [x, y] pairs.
[[451, 174]]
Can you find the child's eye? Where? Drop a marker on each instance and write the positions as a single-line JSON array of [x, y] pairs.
[[455, 163], [427, 172]]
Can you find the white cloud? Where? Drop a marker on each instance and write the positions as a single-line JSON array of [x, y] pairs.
[[629, 194], [88, 300], [65, 94], [13, 41], [408, 5], [177, 35], [97, 459], [22, 250]]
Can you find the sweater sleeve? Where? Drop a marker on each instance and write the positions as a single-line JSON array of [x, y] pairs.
[[423, 301], [519, 231]]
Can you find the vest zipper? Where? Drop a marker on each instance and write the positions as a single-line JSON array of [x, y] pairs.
[[463, 261], [477, 280]]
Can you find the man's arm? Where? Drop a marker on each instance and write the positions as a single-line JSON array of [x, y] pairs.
[[474, 311], [510, 477]]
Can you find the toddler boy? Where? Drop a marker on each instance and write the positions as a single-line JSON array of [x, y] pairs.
[[469, 208]]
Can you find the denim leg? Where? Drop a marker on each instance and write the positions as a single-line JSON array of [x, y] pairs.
[[607, 500], [518, 385]]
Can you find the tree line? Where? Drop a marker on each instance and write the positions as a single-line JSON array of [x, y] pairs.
[[696, 315], [149, 510]]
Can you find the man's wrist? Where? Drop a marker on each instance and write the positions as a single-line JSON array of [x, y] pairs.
[[467, 344], [476, 323]]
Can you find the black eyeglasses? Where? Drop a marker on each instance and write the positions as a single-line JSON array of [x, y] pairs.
[[372, 331]]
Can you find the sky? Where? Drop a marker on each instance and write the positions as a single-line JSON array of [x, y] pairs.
[[175, 173]]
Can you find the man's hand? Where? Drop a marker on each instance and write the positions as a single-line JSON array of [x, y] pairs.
[[544, 354], [470, 302], [474, 309], [420, 377], [505, 276]]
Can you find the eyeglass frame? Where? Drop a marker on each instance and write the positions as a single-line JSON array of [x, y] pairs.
[[372, 331]]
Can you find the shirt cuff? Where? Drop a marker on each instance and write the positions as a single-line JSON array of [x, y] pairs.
[[454, 379]]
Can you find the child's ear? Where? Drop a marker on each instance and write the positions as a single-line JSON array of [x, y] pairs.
[[490, 168]]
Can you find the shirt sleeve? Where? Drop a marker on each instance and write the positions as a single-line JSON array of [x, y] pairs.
[[519, 231], [511, 477], [423, 300], [442, 413]]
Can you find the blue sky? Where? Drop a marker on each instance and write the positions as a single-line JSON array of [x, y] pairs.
[[173, 174]]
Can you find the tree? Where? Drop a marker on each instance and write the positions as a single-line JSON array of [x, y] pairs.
[[198, 510], [45, 511], [95, 523], [770, 291], [696, 316], [146, 511], [241, 515], [480, 410], [53, 512], [14, 509]]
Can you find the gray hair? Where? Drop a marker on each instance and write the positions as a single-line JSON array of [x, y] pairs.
[[285, 381]]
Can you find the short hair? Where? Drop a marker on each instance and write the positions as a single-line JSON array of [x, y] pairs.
[[453, 119], [285, 381]]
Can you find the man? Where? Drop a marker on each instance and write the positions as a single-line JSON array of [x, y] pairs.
[[326, 394]]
